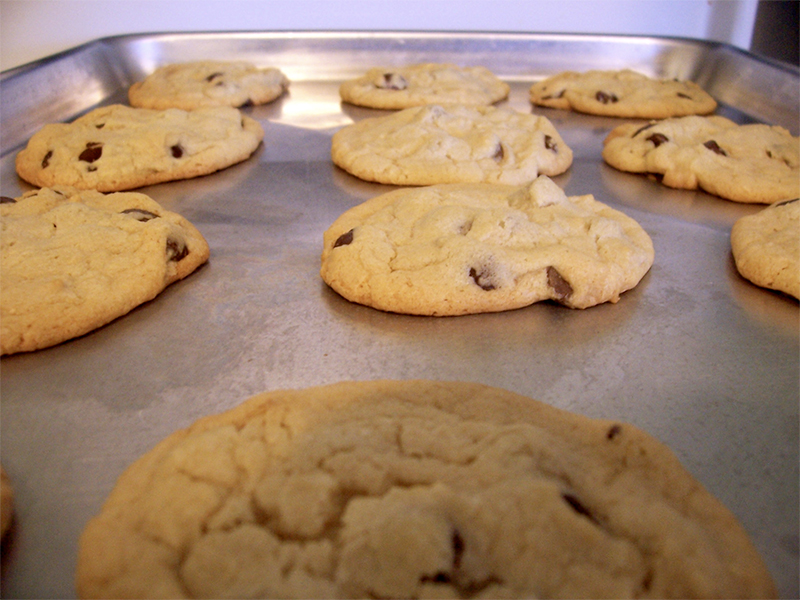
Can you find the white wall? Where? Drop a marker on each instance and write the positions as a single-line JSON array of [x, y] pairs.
[[32, 29]]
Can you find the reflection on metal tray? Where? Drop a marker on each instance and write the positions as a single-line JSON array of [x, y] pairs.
[[695, 355]]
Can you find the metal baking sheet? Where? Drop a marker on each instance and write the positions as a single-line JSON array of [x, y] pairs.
[[697, 356]]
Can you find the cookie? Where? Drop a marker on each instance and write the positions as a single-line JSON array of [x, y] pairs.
[[460, 249], [409, 489], [6, 503], [622, 93], [72, 261], [451, 144], [115, 148], [428, 83], [753, 163], [766, 247], [202, 83]]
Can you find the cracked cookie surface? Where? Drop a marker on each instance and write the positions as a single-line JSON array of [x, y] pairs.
[[622, 93], [72, 261], [753, 163], [451, 144], [116, 148], [192, 85], [420, 84], [409, 489], [460, 249], [766, 247]]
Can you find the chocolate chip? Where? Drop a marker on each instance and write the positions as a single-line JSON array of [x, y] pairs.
[[7, 200], [561, 286], [140, 214], [576, 505], [658, 139], [393, 81], [714, 147], [555, 96], [177, 151], [550, 144], [176, 250], [213, 76], [499, 153], [606, 97], [457, 542], [344, 240], [641, 129], [682, 95], [613, 431], [94, 150], [46, 159], [99, 125], [482, 278]]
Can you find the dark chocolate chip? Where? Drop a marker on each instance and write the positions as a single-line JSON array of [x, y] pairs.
[[550, 144], [7, 200], [714, 147], [555, 96], [606, 97], [657, 139], [213, 76], [177, 151], [393, 81], [576, 505], [561, 286], [457, 543], [46, 159], [344, 240], [499, 153], [140, 214], [643, 128], [614, 431], [176, 250], [99, 125], [682, 95], [482, 278], [94, 150]]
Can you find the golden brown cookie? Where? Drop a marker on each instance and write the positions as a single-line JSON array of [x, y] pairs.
[[411, 489]]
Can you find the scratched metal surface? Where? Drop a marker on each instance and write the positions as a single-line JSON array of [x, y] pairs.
[[695, 355]]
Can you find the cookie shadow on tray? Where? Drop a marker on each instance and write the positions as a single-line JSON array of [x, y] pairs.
[[546, 323]]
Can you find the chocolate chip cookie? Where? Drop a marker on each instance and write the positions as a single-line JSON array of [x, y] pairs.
[[72, 261], [195, 84], [420, 84], [754, 163], [766, 247], [115, 148], [412, 489], [451, 144], [624, 93], [460, 249]]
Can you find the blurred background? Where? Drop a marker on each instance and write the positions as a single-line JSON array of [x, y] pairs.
[[33, 29]]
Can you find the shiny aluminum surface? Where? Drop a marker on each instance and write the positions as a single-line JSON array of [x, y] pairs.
[[695, 355]]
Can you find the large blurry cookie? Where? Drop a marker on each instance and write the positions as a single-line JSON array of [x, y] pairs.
[[745, 163], [622, 93], [451, 144], [412, 489], [72, 261], [429, 83], [117, 147], [766, 247], [196, 84], [460, 249]]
